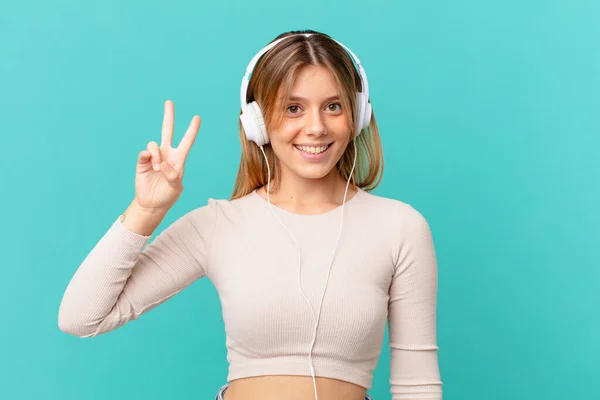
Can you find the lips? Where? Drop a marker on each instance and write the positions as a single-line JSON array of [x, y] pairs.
[[313, 149], [310, 154]]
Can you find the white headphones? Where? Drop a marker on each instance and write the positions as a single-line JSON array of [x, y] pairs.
[[254, 126], [252, 116]]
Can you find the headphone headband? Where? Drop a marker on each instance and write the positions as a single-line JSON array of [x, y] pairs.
[[252, 64]]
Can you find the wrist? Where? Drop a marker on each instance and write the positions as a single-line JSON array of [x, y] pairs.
[[142, 220], [147, 210]]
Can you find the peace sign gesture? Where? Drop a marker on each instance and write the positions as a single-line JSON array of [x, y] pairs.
[[159, 170]]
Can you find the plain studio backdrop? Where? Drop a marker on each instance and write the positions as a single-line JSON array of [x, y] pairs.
[[489, 116]]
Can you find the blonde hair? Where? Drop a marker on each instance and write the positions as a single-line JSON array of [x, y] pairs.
[[272, 80]]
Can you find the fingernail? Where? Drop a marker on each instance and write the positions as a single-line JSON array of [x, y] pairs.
[[157, 167]]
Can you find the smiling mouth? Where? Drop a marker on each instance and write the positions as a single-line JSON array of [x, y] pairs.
[[313, 149]]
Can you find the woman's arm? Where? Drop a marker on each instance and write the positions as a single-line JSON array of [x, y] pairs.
[[120, 279], [414, 370]]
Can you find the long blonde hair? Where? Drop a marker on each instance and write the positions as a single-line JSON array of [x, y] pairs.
[[272, 80]]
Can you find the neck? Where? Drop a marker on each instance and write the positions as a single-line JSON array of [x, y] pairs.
[[301, 193]]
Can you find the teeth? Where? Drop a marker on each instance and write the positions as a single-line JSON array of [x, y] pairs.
[[311, 149]]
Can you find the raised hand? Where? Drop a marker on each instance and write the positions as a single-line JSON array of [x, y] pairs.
[[160, 169]]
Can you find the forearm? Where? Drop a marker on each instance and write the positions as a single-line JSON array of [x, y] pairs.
[[98, 283]]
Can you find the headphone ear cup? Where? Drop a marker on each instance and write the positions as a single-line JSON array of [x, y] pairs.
[[363, 113], [254, 124], [358, 122], [367, 114], [260, 122]]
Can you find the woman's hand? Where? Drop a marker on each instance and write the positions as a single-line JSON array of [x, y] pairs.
[[159, 170]]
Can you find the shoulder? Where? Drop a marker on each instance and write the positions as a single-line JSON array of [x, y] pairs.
[[411, 236], [202, 220], [217, 208], [393, 210]]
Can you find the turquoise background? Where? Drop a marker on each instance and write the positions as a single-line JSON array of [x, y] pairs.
[[489, 116]]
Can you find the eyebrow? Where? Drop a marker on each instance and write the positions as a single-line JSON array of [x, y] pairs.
[[298, 98]]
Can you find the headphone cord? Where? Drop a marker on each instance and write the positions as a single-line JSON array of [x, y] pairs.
[[317, 317]]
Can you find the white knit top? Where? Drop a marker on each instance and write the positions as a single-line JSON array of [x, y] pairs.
[[385, 269]]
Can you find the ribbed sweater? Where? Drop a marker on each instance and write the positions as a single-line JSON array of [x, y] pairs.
[[384, 270]]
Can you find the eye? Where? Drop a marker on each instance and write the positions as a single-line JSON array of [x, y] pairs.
[[293, 108], [335, 104]]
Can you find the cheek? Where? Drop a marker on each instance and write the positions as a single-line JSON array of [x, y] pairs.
[[284, 134], [339, 151], [280, 143]]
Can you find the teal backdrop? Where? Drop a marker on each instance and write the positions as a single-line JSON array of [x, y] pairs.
[[489, 117]]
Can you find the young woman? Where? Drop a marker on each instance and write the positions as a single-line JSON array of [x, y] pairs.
[[308, 264]]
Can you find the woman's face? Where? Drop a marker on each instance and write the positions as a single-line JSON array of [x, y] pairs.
[[315, 129]]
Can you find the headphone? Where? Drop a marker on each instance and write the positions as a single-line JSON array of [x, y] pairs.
[[252, 116], [254, 126]]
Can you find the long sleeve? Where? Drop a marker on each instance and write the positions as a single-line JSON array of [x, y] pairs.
[[414, 369], [122, 278]]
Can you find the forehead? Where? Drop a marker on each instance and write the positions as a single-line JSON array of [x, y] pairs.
[[313, 82]]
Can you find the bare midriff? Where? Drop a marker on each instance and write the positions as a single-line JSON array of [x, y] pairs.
[[291, 387]]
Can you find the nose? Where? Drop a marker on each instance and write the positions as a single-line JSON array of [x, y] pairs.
[[314, 124]]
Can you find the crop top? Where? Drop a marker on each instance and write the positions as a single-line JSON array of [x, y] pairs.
[[385, 269]]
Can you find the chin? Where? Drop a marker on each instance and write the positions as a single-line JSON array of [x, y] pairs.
[[315, 171], [313, 174]]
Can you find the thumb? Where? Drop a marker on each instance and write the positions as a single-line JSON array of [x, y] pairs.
[[169, 172]]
